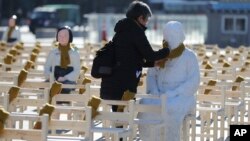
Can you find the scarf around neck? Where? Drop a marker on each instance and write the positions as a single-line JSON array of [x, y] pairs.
[[65, 58], [144, 28], [9, 33], [173, 53]]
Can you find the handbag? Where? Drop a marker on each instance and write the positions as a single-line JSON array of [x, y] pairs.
[[61, 72], [104, 61], [10, 40]]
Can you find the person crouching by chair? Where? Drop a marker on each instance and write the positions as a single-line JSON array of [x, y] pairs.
[[12, 34], [64, 61]]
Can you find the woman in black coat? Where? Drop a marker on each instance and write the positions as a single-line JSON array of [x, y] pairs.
[[132, 51]]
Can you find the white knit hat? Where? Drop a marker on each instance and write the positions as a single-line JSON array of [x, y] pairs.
[[173, 33]]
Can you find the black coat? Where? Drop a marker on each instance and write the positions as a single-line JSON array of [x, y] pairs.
[[132, 50]]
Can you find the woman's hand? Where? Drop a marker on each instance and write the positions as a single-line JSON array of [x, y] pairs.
[[160, 63], [61, 79]]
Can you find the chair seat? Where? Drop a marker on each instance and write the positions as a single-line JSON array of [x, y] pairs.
[[109, 130], [236, 104], [209, 109], [61, 138], [148, 121], [247, 98]]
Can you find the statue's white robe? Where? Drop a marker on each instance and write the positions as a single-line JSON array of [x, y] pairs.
[[179, 80]]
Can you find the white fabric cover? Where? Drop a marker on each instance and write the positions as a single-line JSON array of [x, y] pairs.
[[179, 80], [54, 59], [15, 34], [173, 33]]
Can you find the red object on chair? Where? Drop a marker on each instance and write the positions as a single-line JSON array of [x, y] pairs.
[[104, 32]]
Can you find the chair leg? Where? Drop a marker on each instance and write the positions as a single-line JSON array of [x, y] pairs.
[[242, 111], [236, 110], [116, 137], [185, 129], [228, 114], [163, 134], [202, 128], [248, 113], [193, 128], [222, 128], [152, 134], [215, 129]]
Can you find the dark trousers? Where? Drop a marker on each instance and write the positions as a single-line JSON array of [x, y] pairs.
[[111, 93], [67, 90]]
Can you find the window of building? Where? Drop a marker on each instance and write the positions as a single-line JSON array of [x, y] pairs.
[[240, 25], [234, 24], [228, 24]]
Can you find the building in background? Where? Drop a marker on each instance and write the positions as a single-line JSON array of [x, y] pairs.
[[228, 23], [25, 7], [227, 20]]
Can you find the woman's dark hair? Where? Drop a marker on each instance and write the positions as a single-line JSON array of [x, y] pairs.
[[138, 8], [69, 30]]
